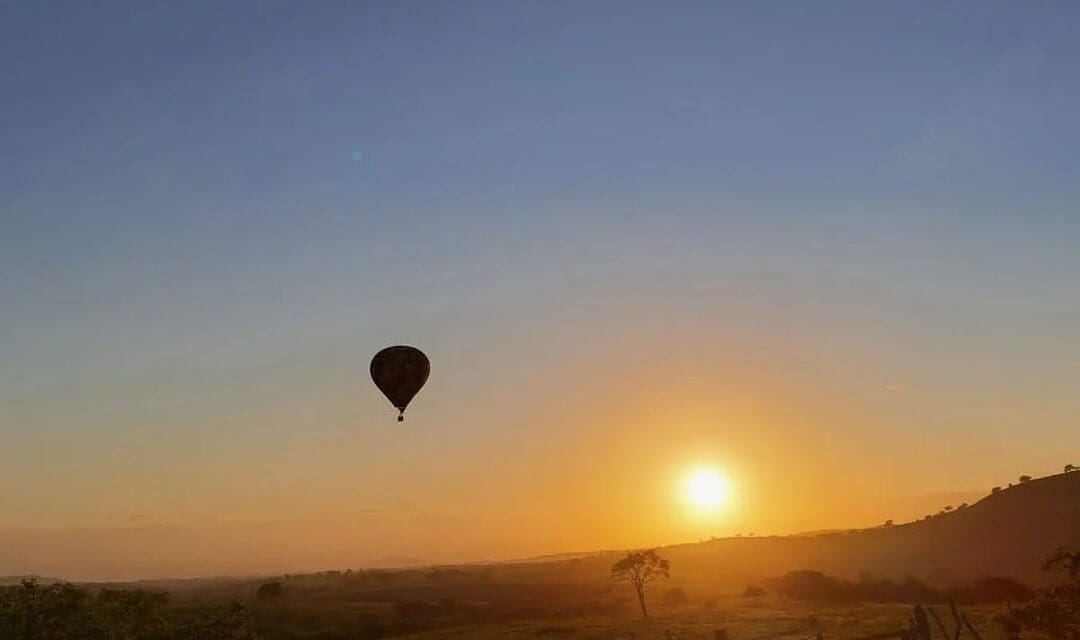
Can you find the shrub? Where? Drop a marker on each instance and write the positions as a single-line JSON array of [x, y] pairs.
[[1053, 612], [993, 590], [30, 611], [753, 591], [814, 586], [269, 591]]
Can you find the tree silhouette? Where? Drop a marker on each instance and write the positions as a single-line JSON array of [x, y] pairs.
[[1070, 467], [888, 523], [639, 569], [1025, 478], [995, 490]]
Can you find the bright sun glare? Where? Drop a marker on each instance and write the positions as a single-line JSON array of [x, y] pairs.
[[707, 489]]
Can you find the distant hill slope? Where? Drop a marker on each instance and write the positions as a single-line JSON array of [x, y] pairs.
[[1006, 533], [7, 581]]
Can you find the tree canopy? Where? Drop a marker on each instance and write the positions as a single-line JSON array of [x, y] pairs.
[[639, 569]]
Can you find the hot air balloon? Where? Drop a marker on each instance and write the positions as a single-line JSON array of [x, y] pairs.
[[399, 372]]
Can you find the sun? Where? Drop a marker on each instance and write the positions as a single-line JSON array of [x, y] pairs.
[[707, 489]]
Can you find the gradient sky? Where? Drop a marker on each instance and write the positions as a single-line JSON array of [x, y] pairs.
[[833, 249]]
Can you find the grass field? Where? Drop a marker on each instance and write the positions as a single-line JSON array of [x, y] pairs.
[[766, 619]]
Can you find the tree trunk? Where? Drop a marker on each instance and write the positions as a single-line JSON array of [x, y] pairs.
[[641, 601]]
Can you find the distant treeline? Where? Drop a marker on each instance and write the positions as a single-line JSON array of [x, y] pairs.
[[290, 609], [815, 586], [61, 611]]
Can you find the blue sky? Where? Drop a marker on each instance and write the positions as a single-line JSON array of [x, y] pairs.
[[197, 159], [184, 231]]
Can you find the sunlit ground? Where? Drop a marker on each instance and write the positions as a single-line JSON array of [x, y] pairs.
[[742, 618]]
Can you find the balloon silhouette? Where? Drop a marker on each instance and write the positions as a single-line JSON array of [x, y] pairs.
[[399, 372]]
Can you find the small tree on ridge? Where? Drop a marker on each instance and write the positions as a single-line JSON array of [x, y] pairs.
[[639, 569]]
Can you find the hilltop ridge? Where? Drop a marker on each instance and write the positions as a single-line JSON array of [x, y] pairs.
[[1008, 532]]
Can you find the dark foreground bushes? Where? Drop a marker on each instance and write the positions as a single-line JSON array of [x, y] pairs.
[[993, 590], [814, 586], [30, 611], [1053, 613], [410, 607]]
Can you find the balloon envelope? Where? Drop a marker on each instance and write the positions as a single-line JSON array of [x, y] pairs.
[[399, 372]]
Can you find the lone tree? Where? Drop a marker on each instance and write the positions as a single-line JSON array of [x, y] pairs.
[[639, 569], [1070, 468], [1025, 479]]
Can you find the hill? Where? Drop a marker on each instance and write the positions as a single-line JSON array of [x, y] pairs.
[[1007, 533]]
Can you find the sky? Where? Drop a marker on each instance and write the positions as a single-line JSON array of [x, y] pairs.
[[830, 250]]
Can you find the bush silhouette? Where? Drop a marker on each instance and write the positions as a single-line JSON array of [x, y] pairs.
[[992, 590], [1053, 612], [269, 591], [30, 611], [753, 591], [815, 586]]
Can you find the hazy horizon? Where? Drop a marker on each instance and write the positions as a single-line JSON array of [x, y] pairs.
[[146, 550], [830, 254]]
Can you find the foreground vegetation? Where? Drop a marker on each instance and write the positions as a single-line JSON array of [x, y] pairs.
[[63, 612], [525, 601], [866, 582], [323, 607]]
